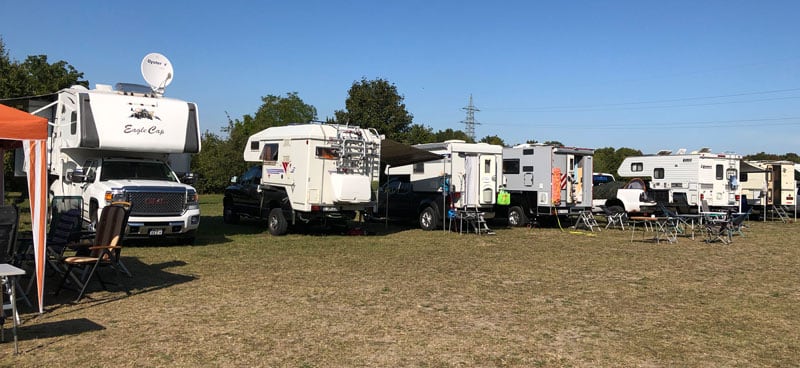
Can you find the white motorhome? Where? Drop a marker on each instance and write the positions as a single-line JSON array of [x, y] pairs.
[[770, 181], [313, 172], [466, 177], [547, 181], [684, 180]]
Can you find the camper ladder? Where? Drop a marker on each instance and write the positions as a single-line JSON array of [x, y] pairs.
[[778, 210], [356, 154]]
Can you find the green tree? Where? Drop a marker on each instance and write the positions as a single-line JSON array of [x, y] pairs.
[[493, 139], [762, 156], [448, 134], [376, 104], [221, 158], [419, 134], [35, 76]]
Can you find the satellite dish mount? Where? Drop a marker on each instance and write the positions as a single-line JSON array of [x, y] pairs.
[[157, 72]]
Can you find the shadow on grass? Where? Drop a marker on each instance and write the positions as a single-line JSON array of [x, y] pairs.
[[57, 329]]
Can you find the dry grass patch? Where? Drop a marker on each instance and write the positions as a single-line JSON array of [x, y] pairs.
[[544, 297]]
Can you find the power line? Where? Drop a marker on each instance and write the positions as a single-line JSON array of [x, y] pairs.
[[651, 125], [615, 106]]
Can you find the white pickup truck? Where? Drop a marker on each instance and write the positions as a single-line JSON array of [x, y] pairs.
[[631, 197]]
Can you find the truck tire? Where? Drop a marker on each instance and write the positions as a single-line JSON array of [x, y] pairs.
[[276, 222], [616, 209], [429, 218], [516, 217], [228, 216]]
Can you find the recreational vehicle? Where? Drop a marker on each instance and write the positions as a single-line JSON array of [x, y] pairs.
[[309, 173], [686, 180], [546, 181], [466, 178], [769, 183], [113, 144]]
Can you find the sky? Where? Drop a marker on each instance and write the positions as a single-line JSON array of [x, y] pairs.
[[648, 75]]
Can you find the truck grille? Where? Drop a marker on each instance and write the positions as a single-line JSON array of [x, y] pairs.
[[157, 203]]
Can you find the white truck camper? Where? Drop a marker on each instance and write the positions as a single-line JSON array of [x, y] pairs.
[[314, 172], [547, 181], [466, 178], [685, 180], [114, 144]]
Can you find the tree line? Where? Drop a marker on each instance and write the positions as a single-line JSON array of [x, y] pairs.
[[370, 103]]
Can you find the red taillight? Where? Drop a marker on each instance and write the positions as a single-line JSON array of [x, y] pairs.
[[738, 197], [315, 208], [702, 196]]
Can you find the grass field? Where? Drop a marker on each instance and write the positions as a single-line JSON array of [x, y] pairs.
[[404, 297]]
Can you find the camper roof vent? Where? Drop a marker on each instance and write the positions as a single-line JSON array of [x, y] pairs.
[[664, 153], [682, 151], [132, 88], [704, 150]]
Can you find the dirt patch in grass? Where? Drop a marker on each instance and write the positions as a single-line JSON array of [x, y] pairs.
[[541, 297]]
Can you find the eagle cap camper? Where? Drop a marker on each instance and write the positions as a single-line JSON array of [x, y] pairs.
[[684, 180], [113, 144], [313, 172]]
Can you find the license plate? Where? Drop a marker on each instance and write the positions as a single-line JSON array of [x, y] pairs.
[[154, 232]]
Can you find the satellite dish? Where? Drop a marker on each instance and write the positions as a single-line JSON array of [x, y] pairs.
[[157, 71]]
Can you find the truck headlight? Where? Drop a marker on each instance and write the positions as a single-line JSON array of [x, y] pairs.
[[115, 195], [192, 200]]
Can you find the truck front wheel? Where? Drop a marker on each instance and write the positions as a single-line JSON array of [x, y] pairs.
[[429, 218], [516, 216], [276, 222]]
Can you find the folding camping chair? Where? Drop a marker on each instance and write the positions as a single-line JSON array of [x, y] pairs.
[[737, 223], [614, 218], [104, 251], [718, 230]]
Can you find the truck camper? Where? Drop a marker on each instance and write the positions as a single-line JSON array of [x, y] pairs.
[[546, 181], [113, 144], [306, 173], [768, 183], [465, 178], [684, 180]]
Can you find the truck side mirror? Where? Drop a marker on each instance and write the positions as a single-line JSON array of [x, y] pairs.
[[189, 178], [234, 179], [76, 176]]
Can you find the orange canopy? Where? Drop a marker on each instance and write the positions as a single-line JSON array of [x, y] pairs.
[[20, 127]]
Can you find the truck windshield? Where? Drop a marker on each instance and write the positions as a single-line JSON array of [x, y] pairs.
[[117, 170]]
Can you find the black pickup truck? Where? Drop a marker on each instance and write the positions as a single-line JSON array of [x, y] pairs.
[[404, 204]]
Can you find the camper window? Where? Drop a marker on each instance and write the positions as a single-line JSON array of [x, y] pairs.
[[419, 168], [744, 177], [487, 166], [327, 153], [719, 172], [658, 173], [637, 166], [269, 153], [511, 166], [73, 123], [527, 151]]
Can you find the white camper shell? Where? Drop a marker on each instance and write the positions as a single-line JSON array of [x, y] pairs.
[[468, 171], [545, 180], [769, 183], [114, 144], [314, 171], [684, 180]]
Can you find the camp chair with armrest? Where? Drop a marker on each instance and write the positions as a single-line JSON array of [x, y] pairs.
[[737, 223], [104, 251], [711, 216]]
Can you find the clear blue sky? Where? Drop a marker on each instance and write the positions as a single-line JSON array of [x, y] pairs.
[[648, 75]]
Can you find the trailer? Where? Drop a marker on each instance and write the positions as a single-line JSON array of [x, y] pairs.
[[309, 173], [466, 178], [114, 144], [685, 180], [546, 181]]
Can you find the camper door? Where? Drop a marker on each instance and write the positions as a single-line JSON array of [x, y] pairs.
[[488, 179]]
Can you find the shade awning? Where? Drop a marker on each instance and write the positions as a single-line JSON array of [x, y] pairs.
[[398, 154], [745, 167]]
